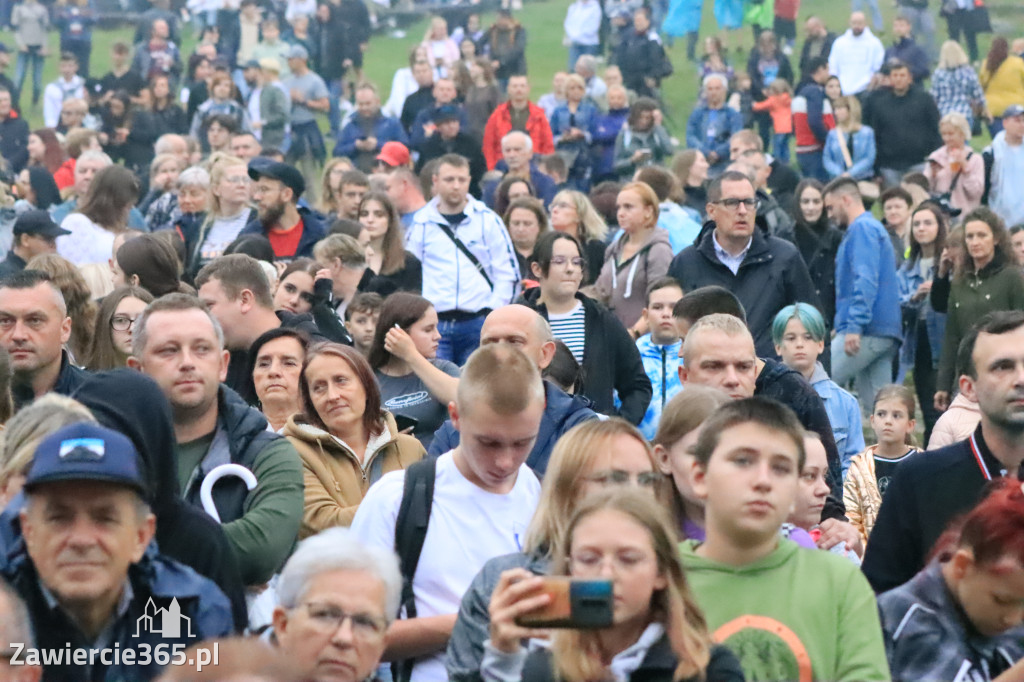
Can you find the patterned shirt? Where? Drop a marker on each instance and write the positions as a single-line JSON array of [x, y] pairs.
[[956, 89]]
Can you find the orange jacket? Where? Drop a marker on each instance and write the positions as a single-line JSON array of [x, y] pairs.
[[500, 124], [65, 175], [779, 108]]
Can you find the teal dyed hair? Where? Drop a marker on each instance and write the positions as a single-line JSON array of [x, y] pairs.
[[809, 316]]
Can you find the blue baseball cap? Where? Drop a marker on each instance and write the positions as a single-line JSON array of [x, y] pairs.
[[86, 452]]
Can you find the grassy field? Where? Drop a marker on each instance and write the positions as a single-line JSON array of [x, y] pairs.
[[545, 53]]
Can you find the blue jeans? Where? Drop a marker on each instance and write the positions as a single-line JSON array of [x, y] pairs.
[[334, 91], [876, 14], [21, 70], [811, 166], [870, 369], [780, 146], [459, 338], [576, 50]]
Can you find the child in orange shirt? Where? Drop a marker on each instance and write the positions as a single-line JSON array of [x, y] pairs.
[[780, 96]]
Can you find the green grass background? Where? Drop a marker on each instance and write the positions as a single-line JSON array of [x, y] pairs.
[[545, 53]]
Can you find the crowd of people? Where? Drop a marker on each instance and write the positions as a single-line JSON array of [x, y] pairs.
[[366, 416]]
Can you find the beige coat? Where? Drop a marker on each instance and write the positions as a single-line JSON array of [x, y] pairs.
[[860, 493], [335, 479], [955, 424]]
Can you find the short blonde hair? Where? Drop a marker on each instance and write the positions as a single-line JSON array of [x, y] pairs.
[[729, 325], [957, 121], [502, 377], [952, 56]]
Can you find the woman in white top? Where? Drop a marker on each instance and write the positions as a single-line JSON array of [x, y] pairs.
[[101, 214], [229, 208], [442, 52]]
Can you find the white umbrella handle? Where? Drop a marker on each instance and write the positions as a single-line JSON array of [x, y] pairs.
[[206, 489]]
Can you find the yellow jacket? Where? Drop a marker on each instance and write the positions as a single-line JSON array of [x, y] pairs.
[[860, 492], [334, 477], [1005, 86]]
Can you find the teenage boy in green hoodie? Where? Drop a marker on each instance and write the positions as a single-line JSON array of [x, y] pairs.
[[787, 612]]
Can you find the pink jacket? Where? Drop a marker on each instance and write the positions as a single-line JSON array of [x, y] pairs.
[[969, 188], [956, 424]]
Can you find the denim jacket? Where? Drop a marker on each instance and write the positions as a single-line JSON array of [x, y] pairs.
[[863, 156], [914, 312], [867, 301], [843, 413]]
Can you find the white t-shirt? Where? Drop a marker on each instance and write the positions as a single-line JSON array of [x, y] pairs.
[[88, 242], [222, 233], [468, 526]]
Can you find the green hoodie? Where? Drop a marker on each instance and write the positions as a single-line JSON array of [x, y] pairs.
[[796, 614]]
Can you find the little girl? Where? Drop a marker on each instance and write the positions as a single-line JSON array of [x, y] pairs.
[[780, 97], [810, 499], [870, 472]]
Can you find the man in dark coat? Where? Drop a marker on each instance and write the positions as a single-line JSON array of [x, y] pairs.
[[448, 138], [641, 57]]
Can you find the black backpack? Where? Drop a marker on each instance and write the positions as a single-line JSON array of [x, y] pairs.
[[410, 532]]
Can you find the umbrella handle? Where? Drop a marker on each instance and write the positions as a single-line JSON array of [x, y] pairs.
[[206, 489]]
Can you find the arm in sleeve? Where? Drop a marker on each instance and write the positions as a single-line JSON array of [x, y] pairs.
[[492, 142], [830, 159], [266, 533], [939, 295], [51, 106], [853, 496], [972, 181], [815, 114], [501, 263], [864, 164], [347, 136], [865, 279], [445, 438], [631, 381], [946, 377], [276, 115], [320, 510], [694, 138], [735, 122], [798, 282], [662, 142], [545, 144], [472, 628], [893, 555], [861, 650], [623, 154]]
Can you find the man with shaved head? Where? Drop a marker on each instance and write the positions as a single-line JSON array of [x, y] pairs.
[[523, 328], [34, 326], [856, 56]]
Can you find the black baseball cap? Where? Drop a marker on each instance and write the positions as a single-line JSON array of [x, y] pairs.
[[40, 223], [262, 167], [446, 112]]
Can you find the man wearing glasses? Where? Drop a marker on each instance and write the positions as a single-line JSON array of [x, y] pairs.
[[765, 273]]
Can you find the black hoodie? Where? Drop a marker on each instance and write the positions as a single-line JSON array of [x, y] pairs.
[[132, 403]]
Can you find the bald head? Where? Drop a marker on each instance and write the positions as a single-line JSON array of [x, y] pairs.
[[858, 22], [523, 328]]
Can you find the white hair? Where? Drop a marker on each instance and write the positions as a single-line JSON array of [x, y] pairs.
[[526, 139], [95, 155], [338, 549], [715, 77], [194, 177]]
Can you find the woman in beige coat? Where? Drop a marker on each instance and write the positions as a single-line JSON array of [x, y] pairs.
[[346, 441]]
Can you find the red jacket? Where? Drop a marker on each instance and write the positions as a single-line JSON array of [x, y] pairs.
[[65, 175], [500, 124]]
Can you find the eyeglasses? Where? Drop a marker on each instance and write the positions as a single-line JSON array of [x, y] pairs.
[[562, 260], [122, 323], [327, 618], [618, 477], [237, 179], [562, 204], [733, 204]]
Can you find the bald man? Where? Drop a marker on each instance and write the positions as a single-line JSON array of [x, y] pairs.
[[523, 328]]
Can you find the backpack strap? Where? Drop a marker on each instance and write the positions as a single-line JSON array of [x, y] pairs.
[[410, 532]]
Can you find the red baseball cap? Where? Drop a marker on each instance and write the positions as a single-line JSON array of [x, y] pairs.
[[394, 154]]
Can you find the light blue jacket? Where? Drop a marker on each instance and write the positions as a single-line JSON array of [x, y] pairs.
[[662, 366], [863, 156], [682, 228], [914, 312], [867, 296], [843, 413]]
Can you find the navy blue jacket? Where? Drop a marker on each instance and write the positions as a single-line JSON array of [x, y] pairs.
[[313, 230], [545, 187], [911, 54], [561, 412]]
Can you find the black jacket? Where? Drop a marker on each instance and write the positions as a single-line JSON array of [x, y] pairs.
[[659, 665], [14, 142], [68, 381], [772, 276], [906, 128], [805, 53], [131, 403], [782, 182], [757, 84], [640, 56], [786, 385], [11, 265], [928, 490], [611, 361], [463, 144], [818, 245]]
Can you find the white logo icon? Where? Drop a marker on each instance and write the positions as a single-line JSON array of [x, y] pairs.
[[164, 621]]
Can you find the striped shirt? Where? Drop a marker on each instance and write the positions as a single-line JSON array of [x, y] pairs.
[[569, 328]]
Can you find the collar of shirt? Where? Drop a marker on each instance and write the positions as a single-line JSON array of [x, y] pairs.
[[106, 636], [727, 259]]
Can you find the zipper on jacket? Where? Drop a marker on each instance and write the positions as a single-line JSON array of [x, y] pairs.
[[664, 377]]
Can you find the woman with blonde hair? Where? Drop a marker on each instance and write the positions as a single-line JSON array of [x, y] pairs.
[[25, 430], [639, 256], [838, 158], [593, 456], [78, 298], [228, 210], [955, 173], [955, 85], [441, 50], [330, 186], [572, 212], [657, 632]]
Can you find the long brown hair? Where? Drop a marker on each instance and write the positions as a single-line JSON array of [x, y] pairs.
[[576, 653], [997, 54], [1003, 251], [54, 156], [401, 309], [373, 415], [393, 258], [113, 192], [104, 354]]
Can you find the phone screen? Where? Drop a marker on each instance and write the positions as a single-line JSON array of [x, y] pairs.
[[575, 604]]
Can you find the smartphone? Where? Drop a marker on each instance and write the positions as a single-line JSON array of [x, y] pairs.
[[403, 422], [575, 604]]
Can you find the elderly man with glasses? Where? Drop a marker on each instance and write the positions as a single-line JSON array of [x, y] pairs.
[[735, 251], [336, 600]]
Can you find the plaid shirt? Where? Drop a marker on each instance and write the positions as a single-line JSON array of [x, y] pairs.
[[956, 90], [163, 212]]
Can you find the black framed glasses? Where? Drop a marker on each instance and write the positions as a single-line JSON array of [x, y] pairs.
[[732, 204], [122, 323]]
